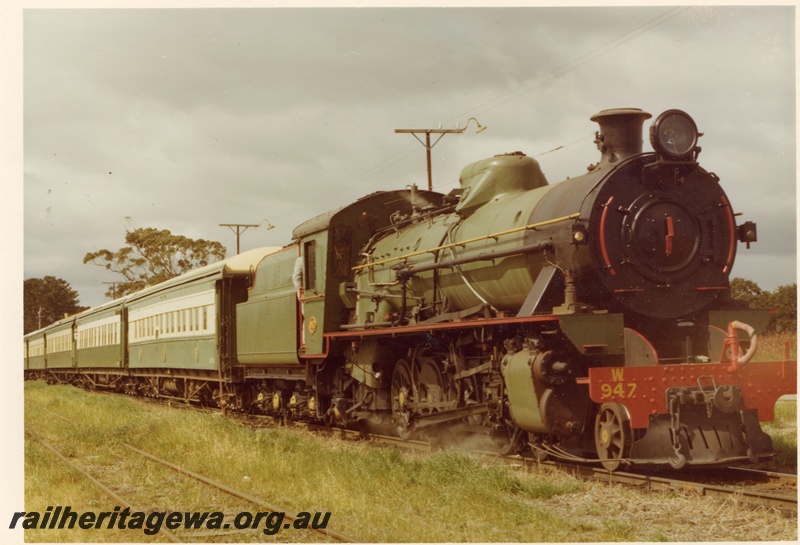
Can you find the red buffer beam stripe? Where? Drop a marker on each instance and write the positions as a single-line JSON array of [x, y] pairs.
[[643, 389]]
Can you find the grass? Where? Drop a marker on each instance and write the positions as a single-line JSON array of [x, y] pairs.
[[783, 429], [771, 347], [373, 494], [50, 482]]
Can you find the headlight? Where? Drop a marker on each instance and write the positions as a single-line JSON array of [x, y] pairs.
[[674, 134]]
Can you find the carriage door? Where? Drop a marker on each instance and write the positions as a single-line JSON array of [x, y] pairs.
[[312, 300]]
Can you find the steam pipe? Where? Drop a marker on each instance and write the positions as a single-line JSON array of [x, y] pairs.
[[406, 272]]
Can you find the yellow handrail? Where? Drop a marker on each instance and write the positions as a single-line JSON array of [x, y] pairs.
[[468, 241]]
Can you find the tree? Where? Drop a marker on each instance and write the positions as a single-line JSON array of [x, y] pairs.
[[748, 292], [47, 300], [152, 256], [782, 302]]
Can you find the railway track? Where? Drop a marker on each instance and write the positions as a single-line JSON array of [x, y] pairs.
[[122, 501], [748, 486], [190, 535], [754, 487], [256, 501]]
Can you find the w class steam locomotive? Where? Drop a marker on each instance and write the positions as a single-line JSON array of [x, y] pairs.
[[589, 319]]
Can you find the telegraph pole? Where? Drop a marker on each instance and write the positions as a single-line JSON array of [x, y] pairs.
[[429, 146], [113, 289], [238, 228]]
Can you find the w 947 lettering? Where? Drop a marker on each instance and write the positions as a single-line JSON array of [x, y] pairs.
[[618, 389]]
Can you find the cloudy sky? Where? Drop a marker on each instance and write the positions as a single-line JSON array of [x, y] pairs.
[[183, 119]]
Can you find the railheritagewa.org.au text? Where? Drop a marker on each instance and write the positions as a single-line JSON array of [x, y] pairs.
[[151, 523]]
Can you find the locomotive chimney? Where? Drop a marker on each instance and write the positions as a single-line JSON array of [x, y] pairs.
[[620, 134]]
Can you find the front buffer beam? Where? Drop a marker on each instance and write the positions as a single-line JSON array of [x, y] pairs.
[[700, 414]]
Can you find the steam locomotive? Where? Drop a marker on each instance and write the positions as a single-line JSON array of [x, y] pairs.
[[587, 320]]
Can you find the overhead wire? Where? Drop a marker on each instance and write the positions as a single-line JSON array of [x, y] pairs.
[[379, 167], [575, 63], [509, 96]]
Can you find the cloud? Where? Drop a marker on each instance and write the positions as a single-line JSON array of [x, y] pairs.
[[185, 118]]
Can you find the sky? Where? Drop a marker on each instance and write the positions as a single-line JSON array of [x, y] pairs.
[[183, 119]]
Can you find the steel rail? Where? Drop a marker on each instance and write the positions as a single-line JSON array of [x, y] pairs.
[[787, 503], [769, 476], [236, 493], [172, 537], [767, 499]]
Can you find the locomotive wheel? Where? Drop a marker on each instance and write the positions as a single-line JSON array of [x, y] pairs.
[[430, 384], [402, 393], [612, 435]]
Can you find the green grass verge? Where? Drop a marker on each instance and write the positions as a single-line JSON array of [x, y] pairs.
[[374, 494], [772, 347], [783, 430]]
